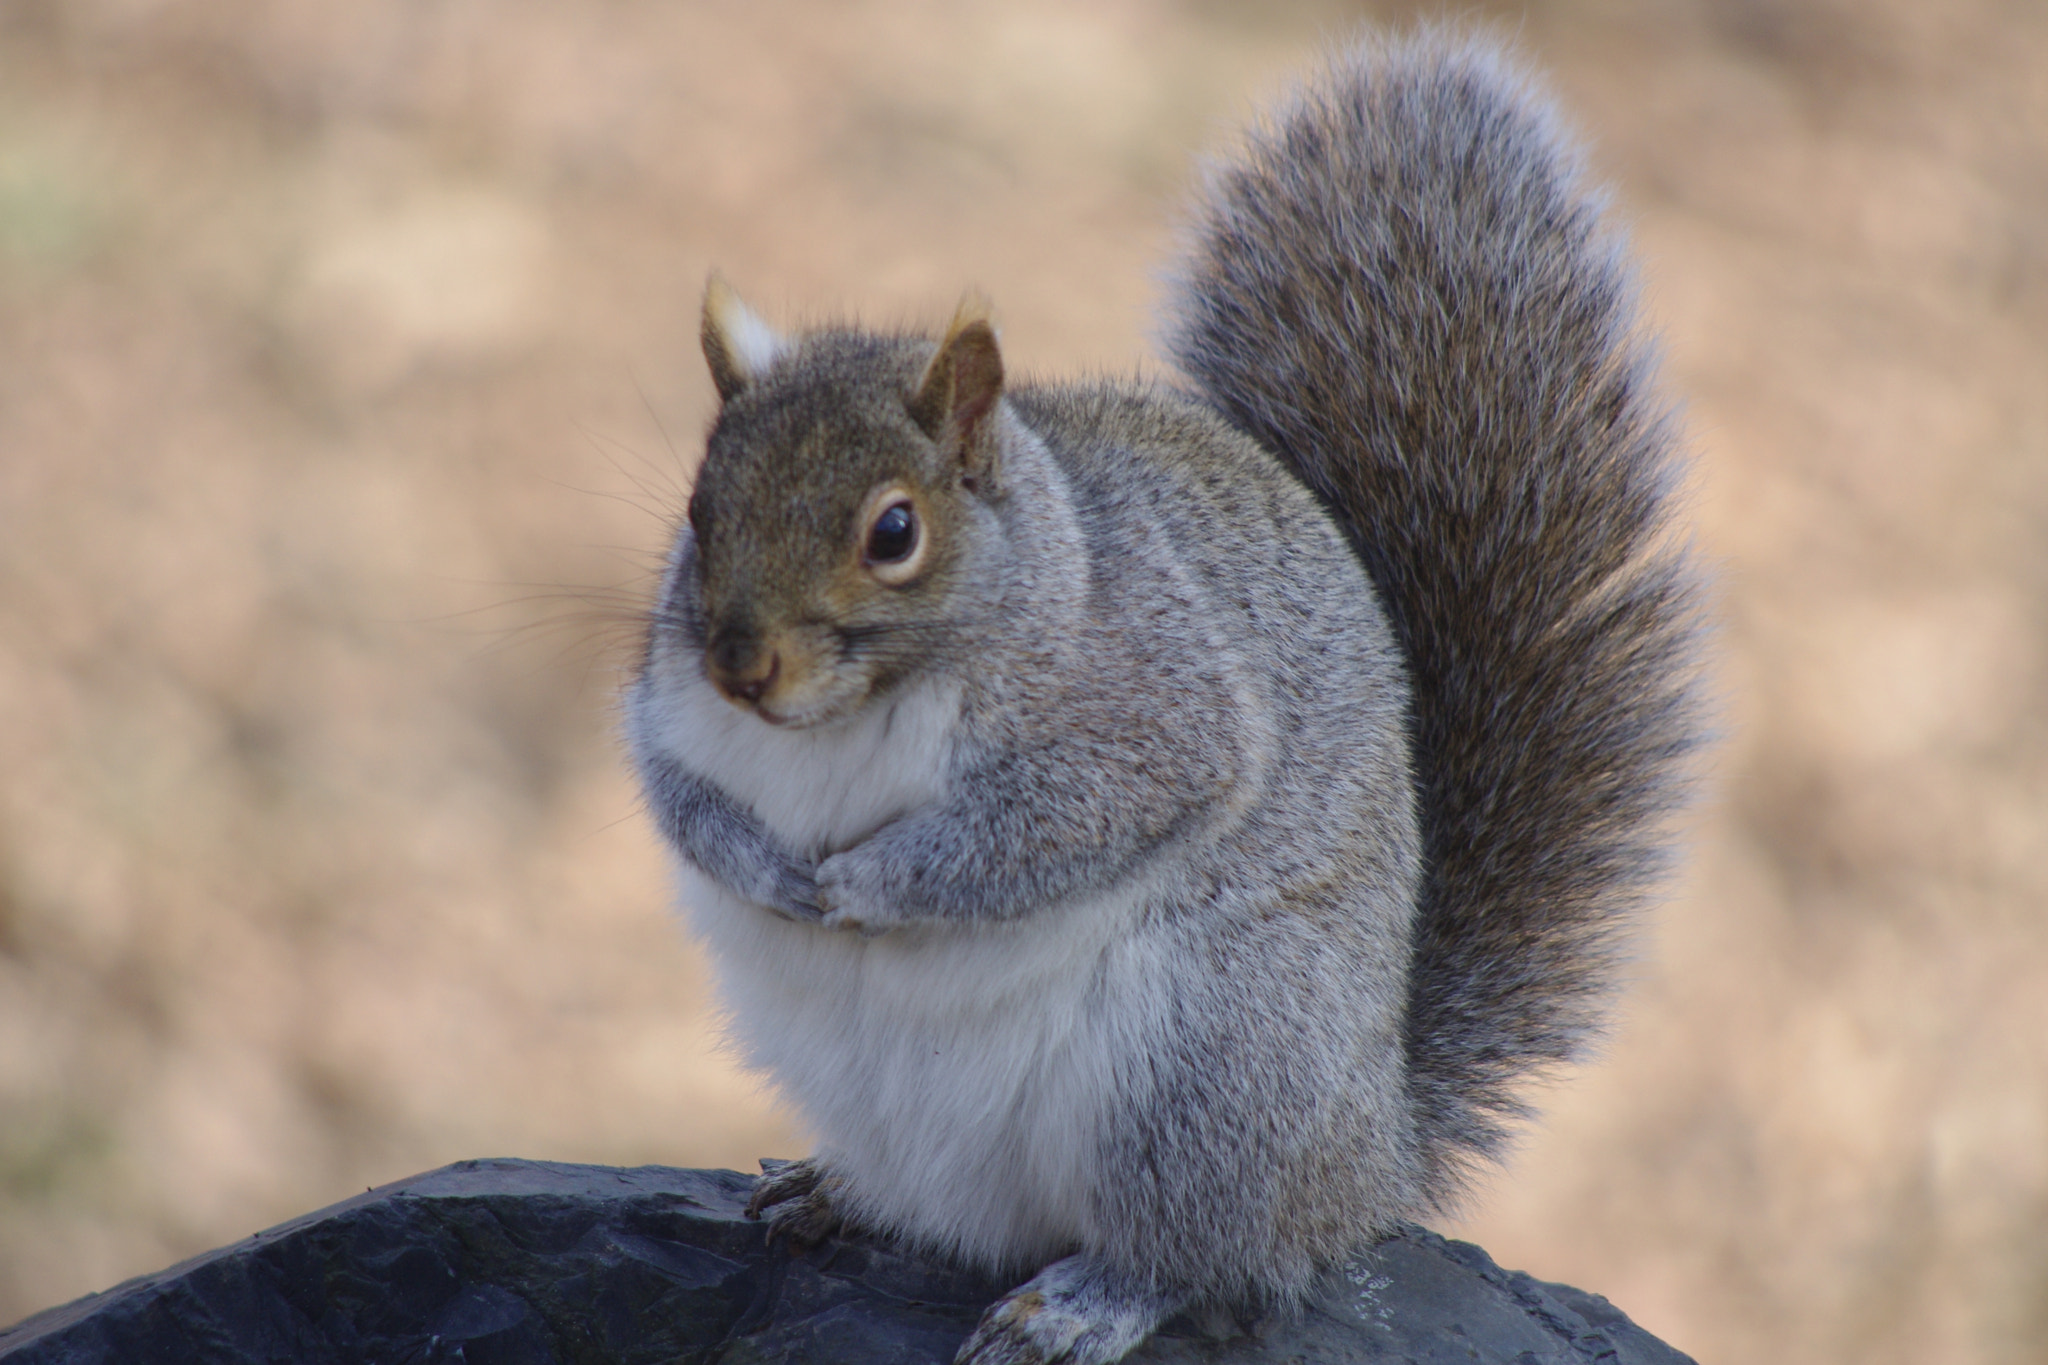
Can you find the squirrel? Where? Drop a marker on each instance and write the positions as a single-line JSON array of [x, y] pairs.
[[1148, 830]]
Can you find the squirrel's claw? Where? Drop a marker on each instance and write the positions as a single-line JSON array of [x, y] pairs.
[[798, 912], [845, 920], [795, 897], [1009, 1334], [782, 1181], [796, 1199], [1070, 1313], [849, 904]]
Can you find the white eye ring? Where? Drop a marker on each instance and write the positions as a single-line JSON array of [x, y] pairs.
[[892, 536]]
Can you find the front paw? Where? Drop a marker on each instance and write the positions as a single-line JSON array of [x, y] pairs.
[[794, 896], [853, 895]]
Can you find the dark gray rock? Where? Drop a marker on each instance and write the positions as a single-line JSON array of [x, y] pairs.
[[535, 1263]]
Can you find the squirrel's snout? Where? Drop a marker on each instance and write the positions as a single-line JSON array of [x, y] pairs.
[[742, 670], [752, 688]]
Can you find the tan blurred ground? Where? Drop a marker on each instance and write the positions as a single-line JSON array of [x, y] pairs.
[[336, 341]]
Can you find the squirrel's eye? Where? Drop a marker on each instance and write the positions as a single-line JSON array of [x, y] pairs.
[[893, 536], [894, 544]]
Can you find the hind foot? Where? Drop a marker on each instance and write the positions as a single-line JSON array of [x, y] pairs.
[[1074, 1312], [796, 1199]]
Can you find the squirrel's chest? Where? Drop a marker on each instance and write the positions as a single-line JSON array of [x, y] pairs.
[[820, 789]]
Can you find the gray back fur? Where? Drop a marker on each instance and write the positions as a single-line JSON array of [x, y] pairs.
[[1456, 369]]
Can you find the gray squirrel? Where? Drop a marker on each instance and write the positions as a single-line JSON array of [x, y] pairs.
[[1147, 832]]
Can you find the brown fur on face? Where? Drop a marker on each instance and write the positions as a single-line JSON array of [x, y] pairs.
[[798, 625]]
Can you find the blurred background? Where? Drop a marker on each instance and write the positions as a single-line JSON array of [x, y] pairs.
[[349, 383]]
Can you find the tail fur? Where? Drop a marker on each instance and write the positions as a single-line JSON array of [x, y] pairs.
[[1401, 288]]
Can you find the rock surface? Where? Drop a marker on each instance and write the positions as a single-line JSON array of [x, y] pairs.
[[533, 1263]]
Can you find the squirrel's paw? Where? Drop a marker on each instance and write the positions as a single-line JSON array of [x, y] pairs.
[[792, 892], [1074, 1312], [796, 1199], [853, 894]]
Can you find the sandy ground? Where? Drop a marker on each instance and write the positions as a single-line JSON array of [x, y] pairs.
[[348, 383]]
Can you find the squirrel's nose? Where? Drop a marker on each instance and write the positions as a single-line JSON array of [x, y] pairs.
[[750, 683]]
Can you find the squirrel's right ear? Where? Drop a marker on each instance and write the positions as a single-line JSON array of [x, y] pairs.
[[738, 346], [960, 388]]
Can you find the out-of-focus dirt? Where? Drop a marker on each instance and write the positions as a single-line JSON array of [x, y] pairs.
[[348, 381]]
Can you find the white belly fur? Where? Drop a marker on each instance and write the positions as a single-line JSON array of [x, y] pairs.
[[954, 1075]]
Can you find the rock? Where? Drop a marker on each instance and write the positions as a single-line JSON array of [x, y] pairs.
[[532, 1263]]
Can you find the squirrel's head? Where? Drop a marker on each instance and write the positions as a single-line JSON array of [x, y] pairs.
[[834, 510]]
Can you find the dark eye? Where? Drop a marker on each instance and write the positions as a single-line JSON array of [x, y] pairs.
[[893, 537]]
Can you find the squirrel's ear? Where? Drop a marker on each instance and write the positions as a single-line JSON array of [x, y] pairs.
[[738, 346], [960, 388]]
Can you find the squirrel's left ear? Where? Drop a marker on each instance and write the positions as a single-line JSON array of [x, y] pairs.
[[738, 346], [959, 390]]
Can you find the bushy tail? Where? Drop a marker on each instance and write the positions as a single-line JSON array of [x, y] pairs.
[[1401, 288]]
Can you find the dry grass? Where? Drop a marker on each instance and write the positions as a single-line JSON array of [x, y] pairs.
[[325, 330]]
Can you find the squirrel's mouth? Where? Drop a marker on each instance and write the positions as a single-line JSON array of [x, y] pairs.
[[781, 678], [798, 717]]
